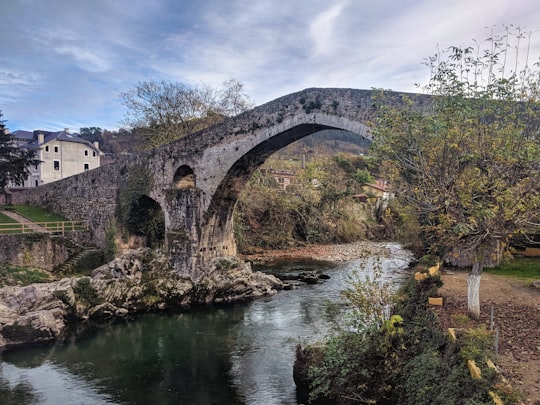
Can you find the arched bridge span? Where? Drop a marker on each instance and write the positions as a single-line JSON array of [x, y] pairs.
[[196, 180]]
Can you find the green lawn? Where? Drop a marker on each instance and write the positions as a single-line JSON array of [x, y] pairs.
[[7, 222], [38, 214], [16, 275], [525, 268]]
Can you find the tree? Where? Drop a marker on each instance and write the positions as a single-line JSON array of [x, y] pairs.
[[14, 162], [91, 134], [469, 162], [163, 111]]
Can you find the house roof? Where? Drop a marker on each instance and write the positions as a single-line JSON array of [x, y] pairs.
[[65, 136], [378, 185]]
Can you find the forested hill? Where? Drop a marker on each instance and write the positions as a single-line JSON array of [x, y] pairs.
[[328, 142]]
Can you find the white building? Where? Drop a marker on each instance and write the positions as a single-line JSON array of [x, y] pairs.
[[62, 155]]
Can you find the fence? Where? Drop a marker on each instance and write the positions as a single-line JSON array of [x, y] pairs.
[[55, 227]]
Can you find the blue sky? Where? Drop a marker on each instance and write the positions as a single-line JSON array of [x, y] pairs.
[[64, 63]]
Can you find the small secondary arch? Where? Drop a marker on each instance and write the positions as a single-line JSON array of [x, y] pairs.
[[184, 178]]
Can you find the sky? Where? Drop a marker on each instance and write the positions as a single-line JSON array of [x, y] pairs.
[[64, 63]]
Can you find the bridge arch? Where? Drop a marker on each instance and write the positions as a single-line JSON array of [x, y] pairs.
[[217, 229], [146, 220], [196, 180], [184, 178]]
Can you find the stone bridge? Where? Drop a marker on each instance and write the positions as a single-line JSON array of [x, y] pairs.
[[196, 180]]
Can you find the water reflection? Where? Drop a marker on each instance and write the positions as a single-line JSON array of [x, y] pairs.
[[231, 355], [165, 358]]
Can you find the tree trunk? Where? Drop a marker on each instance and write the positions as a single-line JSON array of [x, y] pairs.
[[473, 286]]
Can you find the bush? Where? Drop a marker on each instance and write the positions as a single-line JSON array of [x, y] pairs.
[[404, 360], [84, 290]]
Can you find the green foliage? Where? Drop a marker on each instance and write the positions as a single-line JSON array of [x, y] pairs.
[[138, 213], [405, 359], [314, 209], [363, 176], [226, 264], [85, 292], [370, 300], [435, 378], [14, 162], [477, 344], [111, 248], [15, 275], [467, 163]]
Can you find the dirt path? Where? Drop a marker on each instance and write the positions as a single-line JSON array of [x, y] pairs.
[[516, 315], [23, 220]]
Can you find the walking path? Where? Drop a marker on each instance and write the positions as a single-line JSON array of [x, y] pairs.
[[23, 220]]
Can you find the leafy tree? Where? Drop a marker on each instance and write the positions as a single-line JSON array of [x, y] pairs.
[[14, 162], [162, 111], [468, 162], [92, 134]]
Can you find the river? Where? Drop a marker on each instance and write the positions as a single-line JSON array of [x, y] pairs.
[[237, 354]]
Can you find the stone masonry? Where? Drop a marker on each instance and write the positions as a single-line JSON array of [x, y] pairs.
[[196, 180]]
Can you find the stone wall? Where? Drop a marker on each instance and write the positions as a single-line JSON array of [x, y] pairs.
[[36, 250], [89, 196], [221, 159]]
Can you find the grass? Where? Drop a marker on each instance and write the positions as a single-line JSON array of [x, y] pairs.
[[7, 222], [524, 268], [15, 275], [38, 214]]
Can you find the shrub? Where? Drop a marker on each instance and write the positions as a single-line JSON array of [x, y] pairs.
[[84, 290]]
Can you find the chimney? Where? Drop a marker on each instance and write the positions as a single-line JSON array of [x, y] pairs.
[[66, 130], [41, 138], [96, 144]]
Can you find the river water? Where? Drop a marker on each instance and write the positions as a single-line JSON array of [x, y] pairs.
[[237, 354]]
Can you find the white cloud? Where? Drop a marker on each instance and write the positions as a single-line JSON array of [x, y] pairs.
[[322, 29], [58, 51], [85, 58]]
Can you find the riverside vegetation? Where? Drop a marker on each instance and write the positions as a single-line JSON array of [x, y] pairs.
[[404, 358]]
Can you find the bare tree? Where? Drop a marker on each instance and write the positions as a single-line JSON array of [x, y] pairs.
[[163, 111]]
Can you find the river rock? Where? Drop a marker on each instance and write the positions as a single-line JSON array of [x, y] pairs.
[[138, 281]]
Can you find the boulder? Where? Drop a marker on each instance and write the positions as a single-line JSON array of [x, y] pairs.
[[39, 312]]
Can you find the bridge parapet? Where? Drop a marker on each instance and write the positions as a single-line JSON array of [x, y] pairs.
[[196, 180]]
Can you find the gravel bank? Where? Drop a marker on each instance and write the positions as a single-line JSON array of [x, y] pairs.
[[328, 253]]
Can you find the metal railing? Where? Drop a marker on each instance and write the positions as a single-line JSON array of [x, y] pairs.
[[58, 227]]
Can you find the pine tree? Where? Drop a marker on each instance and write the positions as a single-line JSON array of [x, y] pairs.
[[14, 162]]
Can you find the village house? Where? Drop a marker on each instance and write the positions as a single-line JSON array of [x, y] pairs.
[[376, 194], [284, 178], [61, 153]]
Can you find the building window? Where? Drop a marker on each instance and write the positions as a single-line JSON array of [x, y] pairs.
[[94, 153], [86, 166], [47, 148], [56, 164], [56, 149], [86, 152], [37, 183]]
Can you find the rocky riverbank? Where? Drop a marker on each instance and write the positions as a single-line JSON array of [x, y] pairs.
[[328, 253], [138, 281], [141, 281]]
